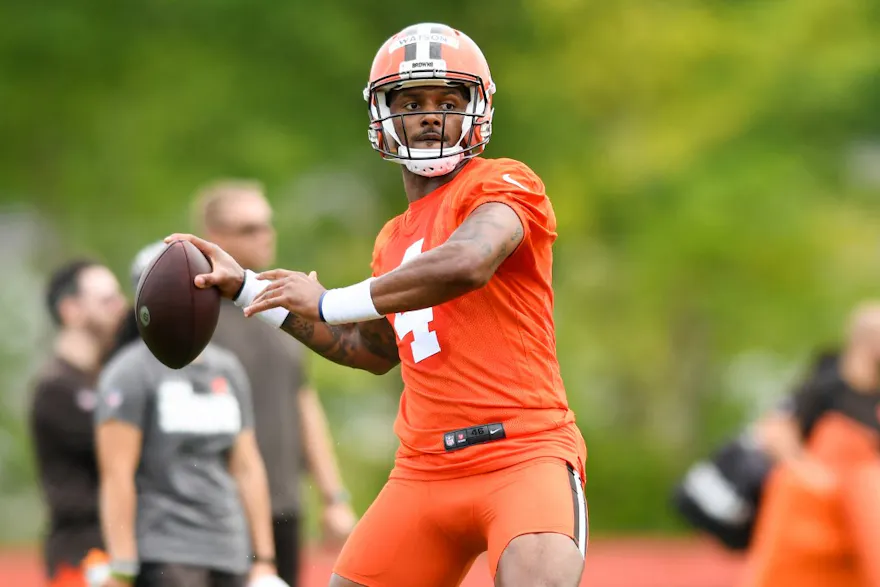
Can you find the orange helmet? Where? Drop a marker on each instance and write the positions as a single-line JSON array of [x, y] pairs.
[[430, 55]]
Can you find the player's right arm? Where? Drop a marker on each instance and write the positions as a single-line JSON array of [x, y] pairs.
[[371, 346]]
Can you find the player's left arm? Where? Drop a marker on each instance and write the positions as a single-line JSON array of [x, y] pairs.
[[464, 263]]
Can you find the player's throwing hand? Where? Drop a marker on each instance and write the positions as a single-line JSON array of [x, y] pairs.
[[227, 275], [294, 291]]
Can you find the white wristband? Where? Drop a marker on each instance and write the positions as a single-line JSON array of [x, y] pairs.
[[250, 289], [348, 304]]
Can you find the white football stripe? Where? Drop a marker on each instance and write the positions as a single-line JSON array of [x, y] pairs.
[[582, 514]]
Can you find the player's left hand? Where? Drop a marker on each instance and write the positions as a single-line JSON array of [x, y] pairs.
[[338, 520], [294, 291]]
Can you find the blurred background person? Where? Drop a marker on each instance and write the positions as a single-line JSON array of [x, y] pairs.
[[848, 384], [182, 480], [291, 426], [86, 304], [721, 494], [818, 523]]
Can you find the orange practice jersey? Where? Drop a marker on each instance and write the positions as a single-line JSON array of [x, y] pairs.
[[490, 355]]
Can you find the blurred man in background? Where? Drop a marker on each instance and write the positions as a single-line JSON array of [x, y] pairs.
[[182, 480], [290, 422], [86, 305]]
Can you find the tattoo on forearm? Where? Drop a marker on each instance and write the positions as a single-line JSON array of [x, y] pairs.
[[380, 339], [346, 343], [336, 345], [342, 346], [297, 327]]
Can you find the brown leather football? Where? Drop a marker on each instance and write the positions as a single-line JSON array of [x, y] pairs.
[[176, 319]]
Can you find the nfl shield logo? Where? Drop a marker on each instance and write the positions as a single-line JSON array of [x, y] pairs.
[[449, 439]]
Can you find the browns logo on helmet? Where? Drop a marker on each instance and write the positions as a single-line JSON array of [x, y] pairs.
[[430, 54]]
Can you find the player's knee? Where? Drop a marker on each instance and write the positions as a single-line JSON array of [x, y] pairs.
[[337, 581], [540, 560]]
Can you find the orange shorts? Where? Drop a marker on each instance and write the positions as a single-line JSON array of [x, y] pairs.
[[428, 533]]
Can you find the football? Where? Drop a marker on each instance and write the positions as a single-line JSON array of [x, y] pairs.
[[176, 319]]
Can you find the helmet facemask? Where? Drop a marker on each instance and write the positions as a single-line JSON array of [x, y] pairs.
[[476, 127]]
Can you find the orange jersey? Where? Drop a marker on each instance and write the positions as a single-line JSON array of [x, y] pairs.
[[487, 356]]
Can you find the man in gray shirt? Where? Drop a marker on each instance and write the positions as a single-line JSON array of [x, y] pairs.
[[290, 422], [181, 476]]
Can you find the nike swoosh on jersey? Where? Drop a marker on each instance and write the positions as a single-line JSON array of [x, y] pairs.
[[506, 177]]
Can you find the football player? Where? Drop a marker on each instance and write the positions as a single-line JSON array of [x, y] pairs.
[[490, 458]]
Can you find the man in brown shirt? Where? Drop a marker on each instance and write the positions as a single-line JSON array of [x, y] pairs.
[[289, 421], [86, 305]]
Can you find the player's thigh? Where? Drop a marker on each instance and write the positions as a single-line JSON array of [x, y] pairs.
[[542, 498], [399, 542], [548, 559]]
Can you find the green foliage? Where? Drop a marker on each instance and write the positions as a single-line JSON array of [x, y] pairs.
[[702, 158]]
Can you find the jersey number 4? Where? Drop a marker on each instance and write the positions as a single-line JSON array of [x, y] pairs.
[[425, 343]]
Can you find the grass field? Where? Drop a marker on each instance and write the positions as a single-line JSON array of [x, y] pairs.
[[610, 563]]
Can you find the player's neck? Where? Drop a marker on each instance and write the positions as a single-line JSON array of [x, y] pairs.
[[80, 349], [419, 186]]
